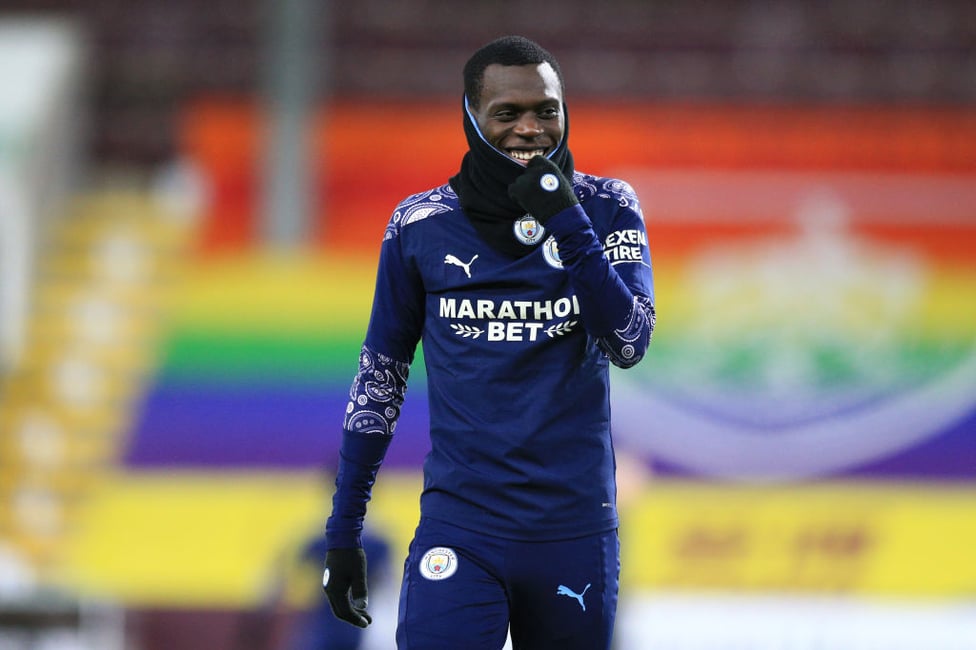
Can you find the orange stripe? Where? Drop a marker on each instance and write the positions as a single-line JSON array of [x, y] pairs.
[[372, 154]]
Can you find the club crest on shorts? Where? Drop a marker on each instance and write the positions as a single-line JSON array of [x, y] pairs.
[[439, 563], [528, 230], [550, 250]]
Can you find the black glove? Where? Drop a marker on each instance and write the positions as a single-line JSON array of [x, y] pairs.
[[344, 581], [542, 189]]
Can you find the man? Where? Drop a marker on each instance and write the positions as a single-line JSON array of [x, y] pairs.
[[524, 279]]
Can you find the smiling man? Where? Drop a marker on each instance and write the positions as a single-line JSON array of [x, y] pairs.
[[519, 109], [510, 275]]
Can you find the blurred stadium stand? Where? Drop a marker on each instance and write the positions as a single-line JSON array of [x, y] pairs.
[[148, 57]]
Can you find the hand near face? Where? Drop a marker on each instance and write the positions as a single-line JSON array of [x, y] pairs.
[[542, 189]]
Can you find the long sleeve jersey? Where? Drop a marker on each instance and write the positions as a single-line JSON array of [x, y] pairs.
[[517, 353]]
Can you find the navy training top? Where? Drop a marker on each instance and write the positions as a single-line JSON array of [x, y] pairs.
[[517, 354]]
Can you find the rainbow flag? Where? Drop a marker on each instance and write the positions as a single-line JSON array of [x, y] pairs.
[[804, 420]]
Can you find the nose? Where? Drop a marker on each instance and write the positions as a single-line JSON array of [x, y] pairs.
[[528, 126]]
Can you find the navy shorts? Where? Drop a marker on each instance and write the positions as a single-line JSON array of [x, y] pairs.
[[463, 590]]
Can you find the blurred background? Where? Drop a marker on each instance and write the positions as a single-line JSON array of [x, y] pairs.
[[192, 197]]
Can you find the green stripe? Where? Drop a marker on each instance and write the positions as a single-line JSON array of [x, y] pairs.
[[829, 365], [227, 356]]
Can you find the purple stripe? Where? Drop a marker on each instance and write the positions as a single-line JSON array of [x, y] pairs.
[[949, 456], [298, 427], [257, 427]]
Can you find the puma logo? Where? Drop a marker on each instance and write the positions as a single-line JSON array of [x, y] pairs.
[[450, 259], [563, 590]]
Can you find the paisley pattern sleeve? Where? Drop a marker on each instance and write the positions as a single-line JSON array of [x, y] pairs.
[[627, 345], [374, 407], [376, 395]]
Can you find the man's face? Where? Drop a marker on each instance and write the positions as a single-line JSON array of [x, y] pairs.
[[520, 112]]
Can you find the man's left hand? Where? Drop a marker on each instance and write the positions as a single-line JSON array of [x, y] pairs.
[[542, 189]]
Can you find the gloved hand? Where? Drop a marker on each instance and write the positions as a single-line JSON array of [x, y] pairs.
[[344, 582], [542, 189]]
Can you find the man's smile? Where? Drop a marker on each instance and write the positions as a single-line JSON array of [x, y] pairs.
[[523, 156]]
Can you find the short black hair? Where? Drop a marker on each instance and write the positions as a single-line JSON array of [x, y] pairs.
[[507, 50]]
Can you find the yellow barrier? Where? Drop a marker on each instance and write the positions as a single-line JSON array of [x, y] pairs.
[[220, 539]]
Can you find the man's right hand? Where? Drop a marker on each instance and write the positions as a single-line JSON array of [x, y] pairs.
[[344, 582]]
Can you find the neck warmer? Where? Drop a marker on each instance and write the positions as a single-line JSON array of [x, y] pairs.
[[482, 187]]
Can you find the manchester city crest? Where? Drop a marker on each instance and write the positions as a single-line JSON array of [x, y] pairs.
[[528, 230], [550, 250], [439, 563]]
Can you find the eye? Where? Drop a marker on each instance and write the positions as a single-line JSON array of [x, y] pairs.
[[549, 113], [505, 115]]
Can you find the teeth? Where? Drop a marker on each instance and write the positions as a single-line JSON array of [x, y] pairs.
[[524, 156]]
